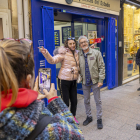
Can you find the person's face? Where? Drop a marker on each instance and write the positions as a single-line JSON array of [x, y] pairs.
[[71, 44], [83, 43]]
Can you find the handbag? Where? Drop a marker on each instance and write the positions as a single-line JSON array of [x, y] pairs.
[[80, 78]]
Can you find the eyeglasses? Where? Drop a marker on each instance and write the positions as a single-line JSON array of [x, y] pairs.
[[81, 43], [71, 38]]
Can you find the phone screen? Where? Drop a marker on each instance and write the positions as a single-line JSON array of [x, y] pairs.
[[44, 79]]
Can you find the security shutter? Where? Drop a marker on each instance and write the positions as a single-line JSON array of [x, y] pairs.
[[48, 37]]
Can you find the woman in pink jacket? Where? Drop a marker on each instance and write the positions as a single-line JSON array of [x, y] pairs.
[[68, 74]]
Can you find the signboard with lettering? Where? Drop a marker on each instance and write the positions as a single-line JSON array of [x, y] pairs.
[[57, 37], [107, 4]]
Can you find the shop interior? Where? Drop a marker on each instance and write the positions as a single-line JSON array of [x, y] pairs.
[[131, 40], [62, 30], [66, 26]]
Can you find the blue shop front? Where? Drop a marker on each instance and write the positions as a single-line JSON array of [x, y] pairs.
[[53, 21]]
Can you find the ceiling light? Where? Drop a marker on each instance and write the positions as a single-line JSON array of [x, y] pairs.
[[133, 7]]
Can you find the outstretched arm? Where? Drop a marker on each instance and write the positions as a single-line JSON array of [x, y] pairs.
[[52, 60]]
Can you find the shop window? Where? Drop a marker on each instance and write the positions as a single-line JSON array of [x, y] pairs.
[[131, 40], [86, 29]]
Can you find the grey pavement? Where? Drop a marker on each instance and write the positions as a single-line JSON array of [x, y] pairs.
[[121, 113]]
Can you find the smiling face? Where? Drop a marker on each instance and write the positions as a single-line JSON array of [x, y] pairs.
[[83, 43], [72, 45]]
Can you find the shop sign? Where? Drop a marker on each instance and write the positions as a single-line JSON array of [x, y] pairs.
[[107, 4]]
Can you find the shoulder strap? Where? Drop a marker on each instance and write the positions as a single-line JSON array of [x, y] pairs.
[[42, 123], [76, 63]]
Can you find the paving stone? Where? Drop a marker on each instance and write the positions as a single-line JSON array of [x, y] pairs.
[[110, 138], [121, 113], [135, 138], [128, 129]]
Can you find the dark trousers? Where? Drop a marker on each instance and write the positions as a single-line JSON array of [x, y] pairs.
[[68, 91]]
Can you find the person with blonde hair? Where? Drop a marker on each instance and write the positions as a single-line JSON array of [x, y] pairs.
[[22, 116]]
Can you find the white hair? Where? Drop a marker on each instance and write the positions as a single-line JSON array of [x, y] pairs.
[[82, 37]]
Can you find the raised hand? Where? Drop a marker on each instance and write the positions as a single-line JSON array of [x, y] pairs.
[[42, 50]]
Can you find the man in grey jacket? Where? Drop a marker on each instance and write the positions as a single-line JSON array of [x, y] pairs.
[[92, 69]]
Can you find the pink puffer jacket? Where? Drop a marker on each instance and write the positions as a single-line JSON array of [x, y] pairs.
[[69, 69]]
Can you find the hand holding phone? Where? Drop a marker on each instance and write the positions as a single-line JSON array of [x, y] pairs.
[[52, 93], [44, 79]]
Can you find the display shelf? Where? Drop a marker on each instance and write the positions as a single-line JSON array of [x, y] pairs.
[[136, 34]]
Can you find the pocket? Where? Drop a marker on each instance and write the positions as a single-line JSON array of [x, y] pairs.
[[95, 74]]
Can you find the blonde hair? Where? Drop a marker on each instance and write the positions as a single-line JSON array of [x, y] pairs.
[[14, 67]]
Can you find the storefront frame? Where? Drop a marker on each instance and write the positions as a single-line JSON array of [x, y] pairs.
[[121, 42], [38, 31]]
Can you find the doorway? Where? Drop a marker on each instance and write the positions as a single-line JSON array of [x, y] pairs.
[[55, 31], [1, 29], [76, 27]]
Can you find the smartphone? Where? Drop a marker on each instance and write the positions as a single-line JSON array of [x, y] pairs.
[[44, 79]]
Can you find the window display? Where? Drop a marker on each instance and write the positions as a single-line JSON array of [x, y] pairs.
[[131, 40]]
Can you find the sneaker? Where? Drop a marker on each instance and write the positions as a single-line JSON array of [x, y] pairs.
[[87, 121], [138, 89], [76, 120], [99, 124]]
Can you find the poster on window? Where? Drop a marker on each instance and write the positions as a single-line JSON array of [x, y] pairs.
[[66, 32], [92, 35], [57, 37]]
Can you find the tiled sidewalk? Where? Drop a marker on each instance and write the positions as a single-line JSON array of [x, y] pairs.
[[121, 113]]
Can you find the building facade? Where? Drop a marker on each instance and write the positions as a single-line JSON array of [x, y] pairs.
[[15, 19], [50, 22]]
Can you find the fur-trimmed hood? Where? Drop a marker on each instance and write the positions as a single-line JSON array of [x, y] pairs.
[[69, 62], [61, 50]]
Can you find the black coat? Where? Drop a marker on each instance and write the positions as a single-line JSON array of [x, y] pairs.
[[138, 57]]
